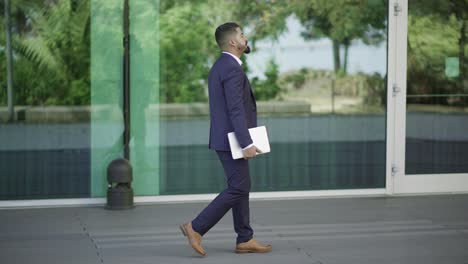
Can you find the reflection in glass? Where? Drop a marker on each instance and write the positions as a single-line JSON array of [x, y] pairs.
[[45, 148], [437, 88], [318, 73]]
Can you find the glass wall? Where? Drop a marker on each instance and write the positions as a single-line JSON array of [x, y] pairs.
[[107, 123], [437, 87], [67, 120], [318, 71], [45, 130], [106, 114], [144, 95]]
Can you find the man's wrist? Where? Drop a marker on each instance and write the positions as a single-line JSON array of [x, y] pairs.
[[248, 146]]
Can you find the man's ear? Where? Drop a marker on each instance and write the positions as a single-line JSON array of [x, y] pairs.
[[231, 43]]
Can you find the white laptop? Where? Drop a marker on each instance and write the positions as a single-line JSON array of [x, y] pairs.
[[259, 137]]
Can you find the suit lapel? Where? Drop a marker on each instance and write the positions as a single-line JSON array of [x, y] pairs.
[[229, 57]]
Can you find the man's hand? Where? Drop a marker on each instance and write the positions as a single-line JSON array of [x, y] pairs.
[[251, 152]]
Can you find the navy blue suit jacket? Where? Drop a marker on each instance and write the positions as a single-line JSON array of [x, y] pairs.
[[232, 104]]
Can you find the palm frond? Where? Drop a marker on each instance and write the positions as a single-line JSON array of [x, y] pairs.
[[79, 21], [36, 50], [26, 4]]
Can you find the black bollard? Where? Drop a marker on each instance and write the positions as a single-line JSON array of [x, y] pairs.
[[119, 191]]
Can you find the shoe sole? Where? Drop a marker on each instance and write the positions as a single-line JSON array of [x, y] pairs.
[[244, 251]]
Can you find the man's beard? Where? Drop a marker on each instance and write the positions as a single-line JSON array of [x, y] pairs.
[[245, 47]]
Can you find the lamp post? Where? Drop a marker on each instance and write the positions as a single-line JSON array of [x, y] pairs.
[[126, 79]]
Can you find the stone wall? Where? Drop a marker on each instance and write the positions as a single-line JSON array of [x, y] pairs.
[[79, 114]]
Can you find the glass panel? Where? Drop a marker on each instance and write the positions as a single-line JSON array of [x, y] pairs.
[[144, 96], [106, 90], [107, 93], [321, 100], [45, 145], [437, 88], [318, 72]]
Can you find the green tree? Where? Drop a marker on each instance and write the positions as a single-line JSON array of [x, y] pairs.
[[267, 89], [265, 19], [437, 29], [52, 53], [187, 46], [342, 21]]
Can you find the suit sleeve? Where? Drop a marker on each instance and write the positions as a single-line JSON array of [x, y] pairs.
[[233, 89]]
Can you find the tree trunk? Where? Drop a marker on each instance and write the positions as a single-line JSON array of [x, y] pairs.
[[461, 57], [345, 63], [336, 56], [459, 8], [9, 57]]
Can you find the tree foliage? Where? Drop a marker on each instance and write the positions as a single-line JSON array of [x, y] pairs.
[[52, 43], [437, 30], [51, 50]]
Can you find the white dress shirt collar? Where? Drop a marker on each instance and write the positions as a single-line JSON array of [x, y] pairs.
[[234, 56]]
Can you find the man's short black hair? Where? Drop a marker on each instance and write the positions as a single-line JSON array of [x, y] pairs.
[[223, 31]]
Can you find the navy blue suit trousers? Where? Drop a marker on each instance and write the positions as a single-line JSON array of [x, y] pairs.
[[235, 196], [232, 108]]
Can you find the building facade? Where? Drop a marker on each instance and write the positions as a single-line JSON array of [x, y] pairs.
[[366, 98]]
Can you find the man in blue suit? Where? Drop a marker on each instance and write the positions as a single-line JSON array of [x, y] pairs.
[[232, 108]]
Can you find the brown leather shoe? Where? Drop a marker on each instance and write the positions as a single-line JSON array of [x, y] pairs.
[[193, 237], [252, 246]]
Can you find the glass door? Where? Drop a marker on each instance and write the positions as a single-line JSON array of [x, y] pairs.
[[431, 98]]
